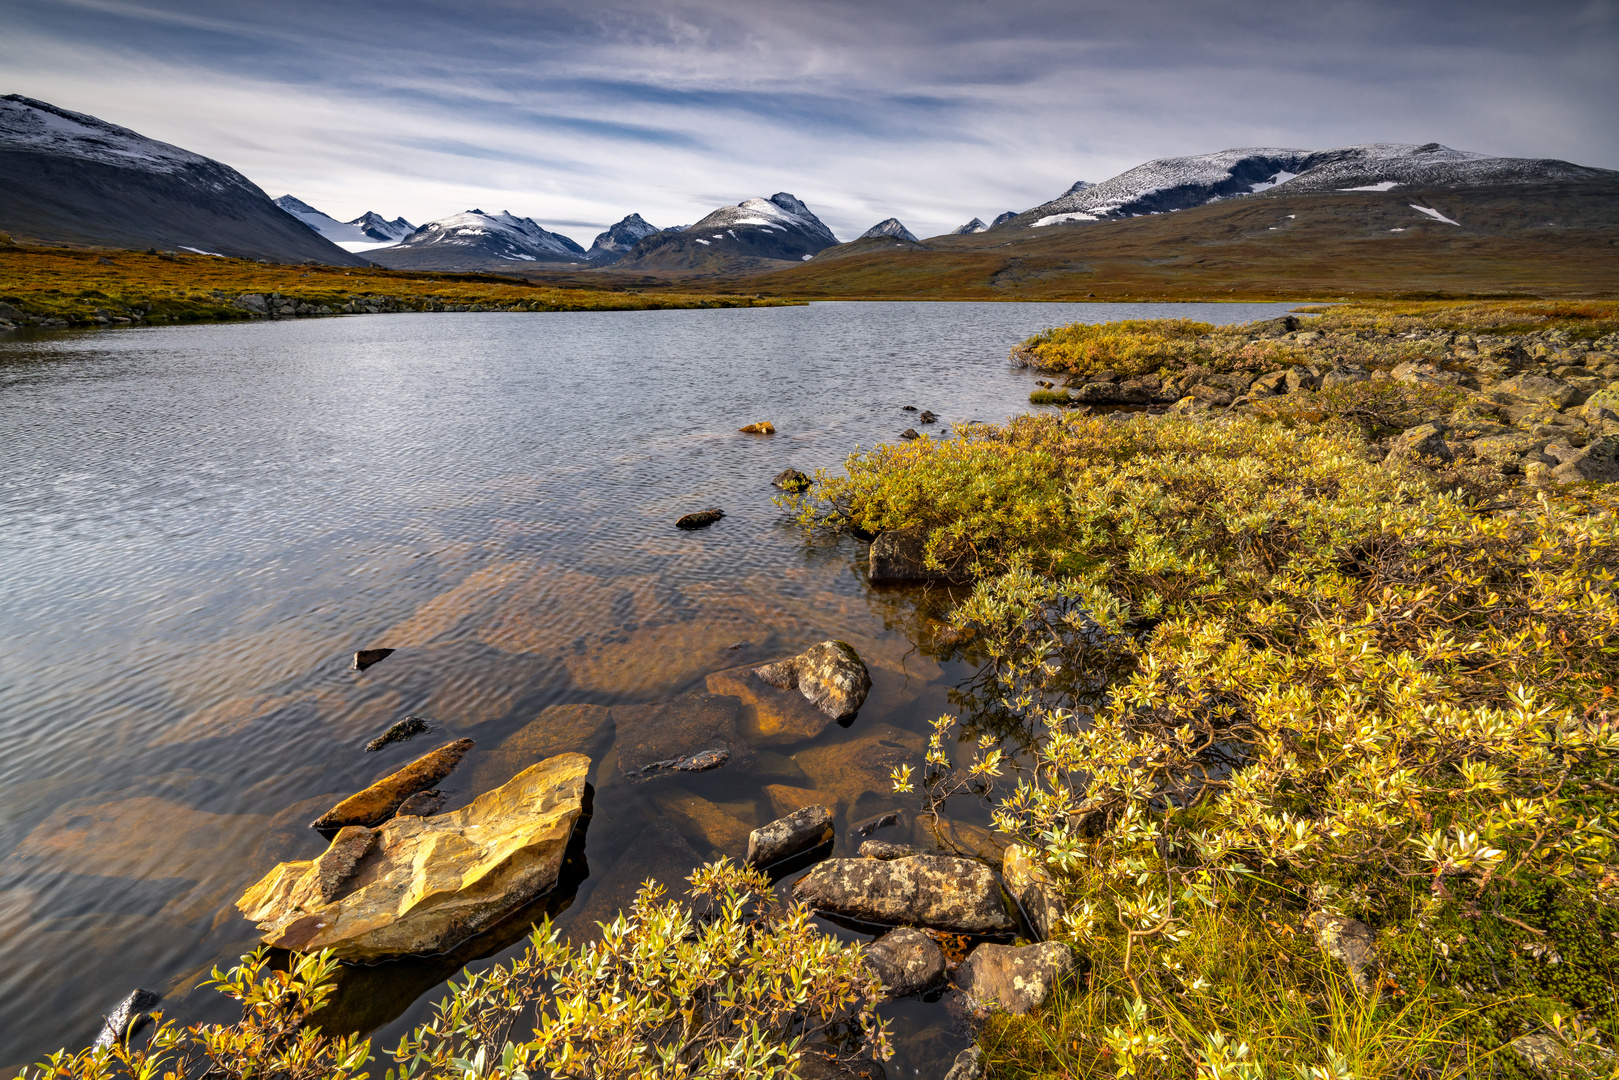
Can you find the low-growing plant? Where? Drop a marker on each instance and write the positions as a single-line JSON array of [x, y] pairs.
[[1375, 407], [1129, 347], [743, 989]]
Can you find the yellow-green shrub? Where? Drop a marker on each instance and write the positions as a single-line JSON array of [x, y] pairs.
[[1130, 347]]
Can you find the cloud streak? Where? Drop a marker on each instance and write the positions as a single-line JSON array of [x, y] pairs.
[[934, 112]]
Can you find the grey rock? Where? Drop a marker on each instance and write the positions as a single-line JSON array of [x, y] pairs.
[[1301, 379], [364, 658], [969, 1065], [253, 302], [1598, 462], [127, 1017], [956, 895], [1031, 887], [831, 676], [896, 559], [907, 961], [1274, 382], [1350, 942], [1552, 1059], [1422, 441], [884, 849], [1340, 376], [1553, 392], [1014, 980], [1210, 395], [693, 733], [791, 480], [803, 830]]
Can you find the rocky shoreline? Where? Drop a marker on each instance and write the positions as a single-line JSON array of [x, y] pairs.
[[1536, 407]]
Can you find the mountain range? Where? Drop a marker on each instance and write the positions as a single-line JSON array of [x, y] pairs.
[[68, 177], [367, 231]]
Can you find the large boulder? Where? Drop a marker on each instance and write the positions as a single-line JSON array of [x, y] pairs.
[[1422, 441], [378, 802], [831, 676], [1014, 980], [693, 733], [1030, 885], [955, 895], [423, 885], [771, 715], [906, 960]]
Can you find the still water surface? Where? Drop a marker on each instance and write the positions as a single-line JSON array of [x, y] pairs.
[[199, 525]]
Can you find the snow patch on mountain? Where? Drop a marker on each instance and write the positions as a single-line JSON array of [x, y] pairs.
[[502, 236], [889, 227], [37, 126], [367, 232], [1436, 215], [1179, 183]]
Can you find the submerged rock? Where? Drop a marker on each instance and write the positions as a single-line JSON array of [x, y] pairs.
[[378, 802], [404, 729], [700, 518], [704, 821], [831, 676], [771, 715], [364, 658], [957, 895], [423, 885], [579, 728], [906, 960], [693, 733], [1015, 980], [804, 830], [127, 1017]]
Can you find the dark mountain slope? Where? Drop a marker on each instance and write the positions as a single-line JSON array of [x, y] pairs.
[[69, 178]]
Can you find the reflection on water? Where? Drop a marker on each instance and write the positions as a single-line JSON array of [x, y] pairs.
[[201, 525]]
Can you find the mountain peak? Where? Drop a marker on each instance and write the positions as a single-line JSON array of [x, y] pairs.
[[475, 240], [890, 227], [616, 242], [976, 225]]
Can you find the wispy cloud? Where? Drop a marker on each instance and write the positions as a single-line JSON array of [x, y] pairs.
[[931, 110]]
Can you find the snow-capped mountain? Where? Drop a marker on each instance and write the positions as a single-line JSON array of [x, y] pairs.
[[616, 242], [368, 231], [73, 177], [976, 225], [382, 230], [1180, 183], [780, 228], [475, 240], [889, 227]]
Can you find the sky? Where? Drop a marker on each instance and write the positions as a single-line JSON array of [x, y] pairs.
[[932, 111]]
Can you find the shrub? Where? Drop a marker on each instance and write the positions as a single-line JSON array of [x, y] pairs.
[[1262, 678], [1375, 407], [741, 991], [1130, 347]]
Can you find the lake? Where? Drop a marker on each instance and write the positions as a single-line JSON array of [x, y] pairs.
[[199, 525]]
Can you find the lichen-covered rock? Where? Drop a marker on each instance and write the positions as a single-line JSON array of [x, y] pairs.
[[956, 895], [693, 733], [969, 1065], [1598, 461], [1350, 942], [423, 885], [1031, 887], [1552, 1059], [1554, 392], [804, 830], [906, 960], [771, 715], [378, 802], [831, 676], [1015, 980], [886, 849], [1423, 441]]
